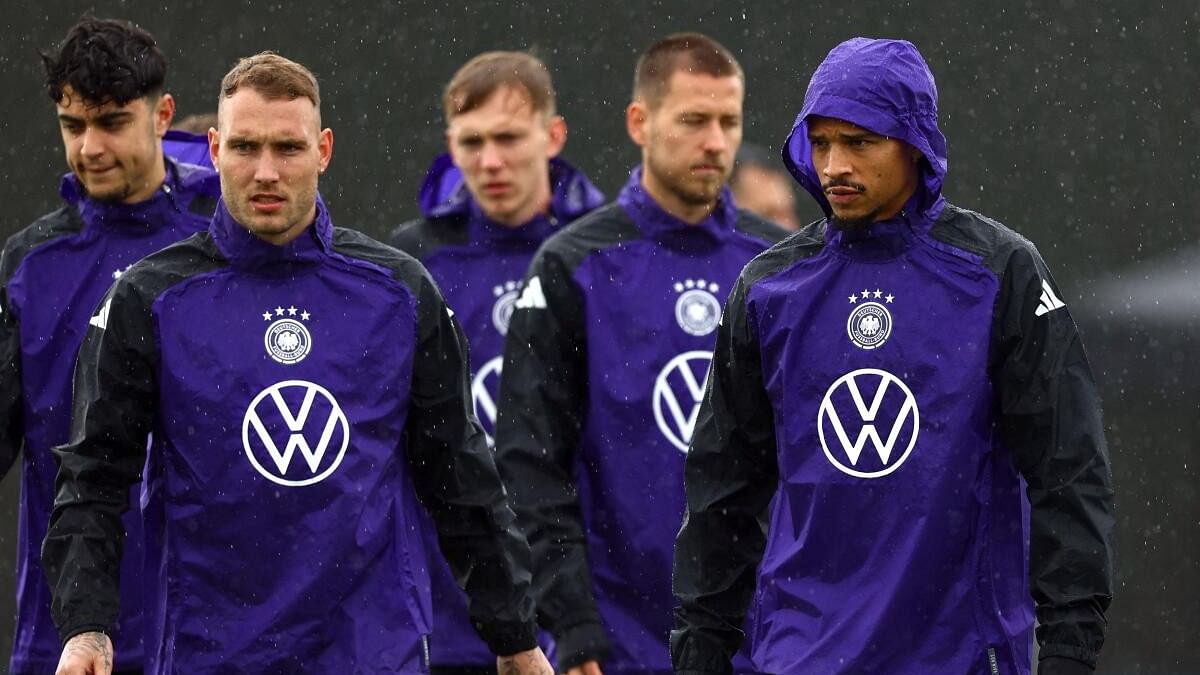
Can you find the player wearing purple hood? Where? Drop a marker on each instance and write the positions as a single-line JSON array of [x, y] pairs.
[[305, 386], [605, 359], [487, 206], [900, 454], [122, 202]]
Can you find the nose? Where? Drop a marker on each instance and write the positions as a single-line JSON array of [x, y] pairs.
[[490, 157], [92, 145], [836, 162], [715, 140], [265, 169]]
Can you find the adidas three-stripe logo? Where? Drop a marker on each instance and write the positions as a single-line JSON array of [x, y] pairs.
[[101, 319], [1049, 301], [532, 297]]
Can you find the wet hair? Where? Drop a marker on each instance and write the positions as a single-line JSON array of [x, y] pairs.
[[693, 52], [273, 77], [105, 60], [480, 77]]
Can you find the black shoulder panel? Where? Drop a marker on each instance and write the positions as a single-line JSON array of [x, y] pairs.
[[978, 234], [63, 222], [805, 243], [403, 266], [603, 228], [758, 227], [164, 269], [422, 237]]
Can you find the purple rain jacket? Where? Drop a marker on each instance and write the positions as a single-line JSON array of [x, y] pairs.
[[301, 398], [900, 452], [479, 265], [603, 370], [187, 147], [52, 275]]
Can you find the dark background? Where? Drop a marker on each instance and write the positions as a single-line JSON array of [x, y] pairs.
[[1074, 122]]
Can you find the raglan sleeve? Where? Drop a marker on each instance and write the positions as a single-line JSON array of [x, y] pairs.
[[115, 395], [730, 477], [1050, 420], [543, 388], [12, 403], [456, 479]]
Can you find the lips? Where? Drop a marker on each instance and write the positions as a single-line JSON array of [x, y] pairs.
[[267, 203], [842, 194], [495, 189]]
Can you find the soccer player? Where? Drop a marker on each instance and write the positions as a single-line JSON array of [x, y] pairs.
[[304, 385], [487, 206], [762, 185], [122, 200], [605, 361], [903, 387]]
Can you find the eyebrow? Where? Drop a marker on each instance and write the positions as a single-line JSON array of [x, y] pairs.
[[114, 116]]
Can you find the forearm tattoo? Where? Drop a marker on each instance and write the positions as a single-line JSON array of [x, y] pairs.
[[522, 663], [88, 645]]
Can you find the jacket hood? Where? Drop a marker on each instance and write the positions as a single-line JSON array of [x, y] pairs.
[[181, 179], [187, 147], [444, 192], [883, 86], [244, 249]]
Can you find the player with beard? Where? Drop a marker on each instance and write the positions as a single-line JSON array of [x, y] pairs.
[[605, 358], [122, 201], [900, 458], [488, 204], [283, 480]]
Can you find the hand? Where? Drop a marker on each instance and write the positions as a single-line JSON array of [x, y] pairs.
[[86, 654], [532, 662], [586, 668]]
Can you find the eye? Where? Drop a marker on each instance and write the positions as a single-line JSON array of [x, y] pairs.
[[818, 143], [508, 138], [731, 122], [470, 143]]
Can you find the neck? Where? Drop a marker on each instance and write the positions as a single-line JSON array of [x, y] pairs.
[[153, 181], [689, 212], [292, 233]]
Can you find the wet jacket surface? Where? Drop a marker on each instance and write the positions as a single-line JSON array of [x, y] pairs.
[[900, 454], [302, 399], [479, 265], [604, 364], [54, 274]]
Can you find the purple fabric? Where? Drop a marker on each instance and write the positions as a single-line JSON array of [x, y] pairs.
[[187, 147], [256, 576], [481, 279], [444, 193], [645, 373], [918, 566], [56, 290], [883, 86]]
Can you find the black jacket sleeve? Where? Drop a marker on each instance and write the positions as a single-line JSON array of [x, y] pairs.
[[1050, 419], [541, 403], [12, 405], [116, 391], [730, 475], [456, 478]]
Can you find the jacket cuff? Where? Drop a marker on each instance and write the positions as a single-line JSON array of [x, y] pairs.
[[80, 628], [1060, 665], [1070, 652], [581, 643], [691, 656], [508, 638]]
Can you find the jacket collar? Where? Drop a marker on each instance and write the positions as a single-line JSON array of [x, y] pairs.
[[182, 183], [444, 194], [245, 250], [657, 223]]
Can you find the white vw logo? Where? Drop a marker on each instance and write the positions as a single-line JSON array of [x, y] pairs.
[[683, 375], [483, 392], [264, 419], [907, 421]]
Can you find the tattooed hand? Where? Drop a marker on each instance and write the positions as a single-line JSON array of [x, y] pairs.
[[86, 654], [532, 662]]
